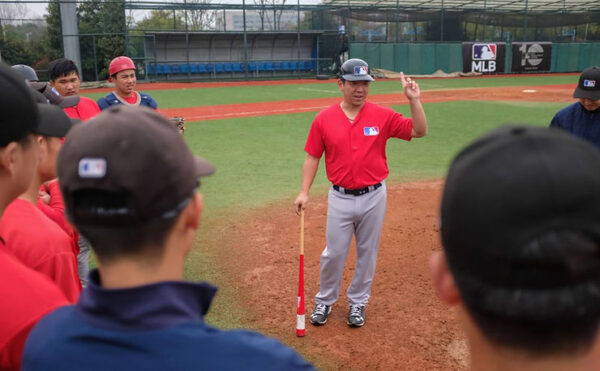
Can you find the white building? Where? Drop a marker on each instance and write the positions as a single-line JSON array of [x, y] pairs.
[[272, 20]]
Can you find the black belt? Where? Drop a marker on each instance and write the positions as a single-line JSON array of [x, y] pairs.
[[357, 192]]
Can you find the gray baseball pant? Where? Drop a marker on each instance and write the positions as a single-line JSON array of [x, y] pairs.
[[349, 215]]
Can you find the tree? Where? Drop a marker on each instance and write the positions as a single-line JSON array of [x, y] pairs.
[[21, 42], [53, 38], [24, 44], [261, 12], [100, 17], [199, 19], [162, 20], [276, 13], [11, 12]]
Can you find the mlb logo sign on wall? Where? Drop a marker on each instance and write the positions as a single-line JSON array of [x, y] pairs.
[[92, 167], [589, 83], [361, 70], [371, 131], [484, 52], [484, 57]]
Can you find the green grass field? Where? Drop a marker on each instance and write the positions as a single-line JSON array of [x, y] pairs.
[[266, 153], [259, 159]]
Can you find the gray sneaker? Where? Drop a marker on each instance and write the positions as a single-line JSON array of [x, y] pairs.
[[319, 315], [356, 316]]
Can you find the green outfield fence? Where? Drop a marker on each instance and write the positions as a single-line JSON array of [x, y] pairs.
[[426, 58], [413, 58]]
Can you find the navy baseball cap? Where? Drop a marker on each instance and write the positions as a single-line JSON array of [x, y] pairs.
[[505, 190], [589, 84], [136, 159], [355, 70]]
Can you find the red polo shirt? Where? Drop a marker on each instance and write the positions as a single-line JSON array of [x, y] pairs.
[[41, 245], [84, 110], [26, 296], [355, 152]]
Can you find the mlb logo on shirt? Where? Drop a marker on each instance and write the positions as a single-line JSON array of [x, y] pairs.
[[484, 52], [371, 131], [589, 83], [361, 70], [92, 167]]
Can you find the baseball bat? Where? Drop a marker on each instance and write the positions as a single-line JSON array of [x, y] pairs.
[[300, 318]]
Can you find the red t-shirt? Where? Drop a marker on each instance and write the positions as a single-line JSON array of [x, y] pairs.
[[55, 210], [26, 296], [84, 110], [41, 245], [355, 152], [135, 98]]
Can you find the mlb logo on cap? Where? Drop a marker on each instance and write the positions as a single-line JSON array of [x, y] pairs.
[[589, 83], [361, 70], [92, 167], [484, 52]]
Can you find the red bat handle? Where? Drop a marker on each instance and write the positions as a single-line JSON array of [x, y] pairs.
[[300, 318]]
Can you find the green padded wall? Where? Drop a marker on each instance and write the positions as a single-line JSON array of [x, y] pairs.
[[426, 58], [411, 58], [574, 57]]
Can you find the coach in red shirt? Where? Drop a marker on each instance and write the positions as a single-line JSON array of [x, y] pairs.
[[353, 135], [25, 295]]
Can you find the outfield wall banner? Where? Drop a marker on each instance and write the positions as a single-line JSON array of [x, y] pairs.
[[484, 57], [531, 56]]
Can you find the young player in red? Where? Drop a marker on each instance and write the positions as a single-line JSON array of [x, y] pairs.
[[122, 73], [31, 236], [25, 295], [64, 78]]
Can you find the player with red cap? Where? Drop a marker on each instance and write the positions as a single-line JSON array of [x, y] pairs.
[[122, 73]]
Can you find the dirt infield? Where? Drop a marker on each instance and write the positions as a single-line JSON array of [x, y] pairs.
[[216, 84], [546, 93], [407, 327]]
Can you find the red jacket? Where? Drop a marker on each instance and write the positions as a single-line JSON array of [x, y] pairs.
[[26, 296], [41, 245]]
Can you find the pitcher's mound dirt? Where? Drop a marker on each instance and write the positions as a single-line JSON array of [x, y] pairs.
[[407, 328]]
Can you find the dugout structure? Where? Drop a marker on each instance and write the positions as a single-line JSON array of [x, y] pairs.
[[210, 55]]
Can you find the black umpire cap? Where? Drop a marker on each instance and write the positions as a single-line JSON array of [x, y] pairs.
[[589, 84]]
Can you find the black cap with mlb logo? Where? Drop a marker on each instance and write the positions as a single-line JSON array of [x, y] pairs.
[[589, 84], [355, 70], [127, 166]]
